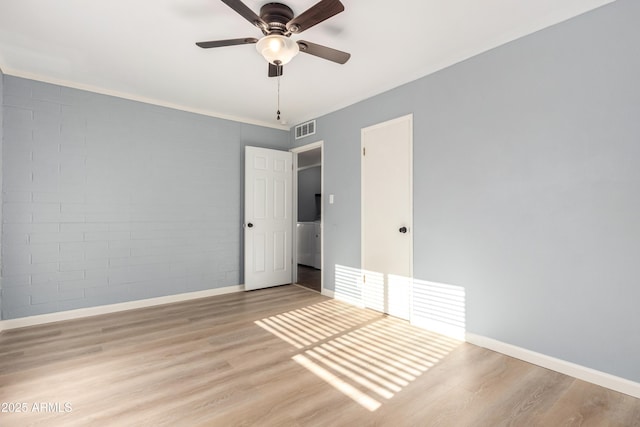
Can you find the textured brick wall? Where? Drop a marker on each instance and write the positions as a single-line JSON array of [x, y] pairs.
[[107, 200]]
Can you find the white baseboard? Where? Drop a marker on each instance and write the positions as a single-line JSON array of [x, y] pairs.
[[577, 371], [113, 308]]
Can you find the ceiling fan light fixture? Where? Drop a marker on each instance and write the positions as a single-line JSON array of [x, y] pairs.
[[277, 49]]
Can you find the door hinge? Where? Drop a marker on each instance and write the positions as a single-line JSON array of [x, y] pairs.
[[364, 278], [364, 151]]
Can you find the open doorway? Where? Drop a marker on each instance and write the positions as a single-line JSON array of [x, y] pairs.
[[307, 196]]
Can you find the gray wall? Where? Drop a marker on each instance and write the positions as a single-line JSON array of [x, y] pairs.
[[108, 200], [309, 184], [526, 187]]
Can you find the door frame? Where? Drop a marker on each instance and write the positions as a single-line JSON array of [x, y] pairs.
[[294, 234], [409, 118]]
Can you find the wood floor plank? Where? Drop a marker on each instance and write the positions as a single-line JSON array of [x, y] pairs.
[[284, 356]]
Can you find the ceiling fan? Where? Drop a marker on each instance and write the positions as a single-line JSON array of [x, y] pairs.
[[277, 23]]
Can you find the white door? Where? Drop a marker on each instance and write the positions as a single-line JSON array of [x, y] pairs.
[[387, 220], [267, 217]]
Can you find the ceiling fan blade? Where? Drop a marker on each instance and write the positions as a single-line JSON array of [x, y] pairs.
[[323, 52], [246, 13], [275, 70], [230, 42], [317, 13]]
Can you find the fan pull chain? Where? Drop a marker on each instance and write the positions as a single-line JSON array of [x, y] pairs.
[[278, 112]]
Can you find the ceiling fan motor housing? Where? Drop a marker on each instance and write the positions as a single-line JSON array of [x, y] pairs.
[[276, 15]]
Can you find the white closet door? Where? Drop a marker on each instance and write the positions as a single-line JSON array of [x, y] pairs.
[[387, 220]]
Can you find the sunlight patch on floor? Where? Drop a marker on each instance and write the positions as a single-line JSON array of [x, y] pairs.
[[360, 397], [365, 355]]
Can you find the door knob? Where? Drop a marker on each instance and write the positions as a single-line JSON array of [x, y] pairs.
[[249, 225], [403, 230]]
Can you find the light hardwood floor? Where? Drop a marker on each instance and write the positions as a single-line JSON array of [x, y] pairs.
[[284, 356]]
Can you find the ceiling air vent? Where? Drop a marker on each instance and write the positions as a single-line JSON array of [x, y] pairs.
[[306, 129]]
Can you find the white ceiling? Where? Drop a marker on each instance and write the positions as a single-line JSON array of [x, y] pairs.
[[144, 49]]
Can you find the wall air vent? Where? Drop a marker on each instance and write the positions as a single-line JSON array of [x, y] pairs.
[[305, 129]]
